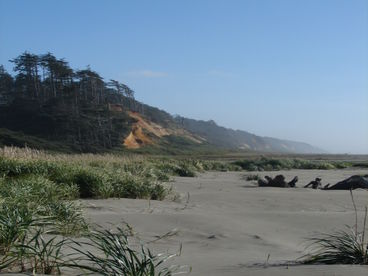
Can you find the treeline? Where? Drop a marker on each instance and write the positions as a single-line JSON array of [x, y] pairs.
[[48, 99], [43, 77]]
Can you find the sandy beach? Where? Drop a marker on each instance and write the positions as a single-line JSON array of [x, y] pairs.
[[229, 226]]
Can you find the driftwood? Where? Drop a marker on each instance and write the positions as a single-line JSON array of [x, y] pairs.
[[351, 183], [278, 181], [316, 184]]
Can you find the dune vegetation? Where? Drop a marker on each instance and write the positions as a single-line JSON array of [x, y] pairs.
[[341, 247], [41, 211]]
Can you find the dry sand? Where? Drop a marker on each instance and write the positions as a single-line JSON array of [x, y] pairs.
[[227, 226]]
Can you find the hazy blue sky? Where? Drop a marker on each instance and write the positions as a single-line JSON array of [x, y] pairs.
[[294, 69]]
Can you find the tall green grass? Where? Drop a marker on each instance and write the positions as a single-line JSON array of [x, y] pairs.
[[38, 194], [40, 197], [29, 244], [17, 223], [133, 180], [271, 164], [113, 254], [341, 247], [40, 254], [103, 176]]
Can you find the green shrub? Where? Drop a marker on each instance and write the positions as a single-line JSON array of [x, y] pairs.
[[233, 167], [67, 217], [88, 182], [62, 173], [342, 165], [162, 176], [184, 170], [216, 166], [270, 164], [360, 165], [247, 165], [39, 196], [35, 190], [159, 192], [13, 167]]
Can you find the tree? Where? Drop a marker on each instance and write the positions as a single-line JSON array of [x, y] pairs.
[[121, 88], [58, 74], [48, 63], [6, 85], [91, 84], [26, 65]]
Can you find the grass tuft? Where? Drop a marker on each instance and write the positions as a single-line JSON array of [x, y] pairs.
[[40, 254], [113, 254], [342, 247]]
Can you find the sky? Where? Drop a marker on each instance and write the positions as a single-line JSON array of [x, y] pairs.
[[290, 69]]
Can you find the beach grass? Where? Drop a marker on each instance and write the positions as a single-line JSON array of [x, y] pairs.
[[341, 247]]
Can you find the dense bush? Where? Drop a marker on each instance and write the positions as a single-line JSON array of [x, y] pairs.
[[37, 196], [132, 180], [270, 164]]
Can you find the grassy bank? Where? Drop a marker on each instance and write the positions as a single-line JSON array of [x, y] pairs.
[[128, 176], [272, 164], [39, 207]]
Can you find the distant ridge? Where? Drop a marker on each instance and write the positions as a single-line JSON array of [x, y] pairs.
[[239, 139]]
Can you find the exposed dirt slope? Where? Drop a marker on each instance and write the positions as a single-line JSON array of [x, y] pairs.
[[137, 138], [144, 132]]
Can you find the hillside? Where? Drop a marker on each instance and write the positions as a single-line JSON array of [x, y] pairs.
[[77, 111], [238, 139]]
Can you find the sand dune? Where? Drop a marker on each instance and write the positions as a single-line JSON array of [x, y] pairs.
[[227, 226]]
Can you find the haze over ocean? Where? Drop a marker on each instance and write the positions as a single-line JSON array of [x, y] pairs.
[[290, 69]]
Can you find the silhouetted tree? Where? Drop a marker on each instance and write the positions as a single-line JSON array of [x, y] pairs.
[[6, 85], [28, 79]]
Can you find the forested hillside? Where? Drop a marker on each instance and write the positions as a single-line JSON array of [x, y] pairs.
[[49, 100], [46, 104]]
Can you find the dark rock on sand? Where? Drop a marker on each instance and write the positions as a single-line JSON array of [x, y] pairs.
[[278, 181], [316, 184], [351, 183]]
